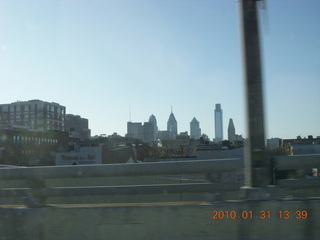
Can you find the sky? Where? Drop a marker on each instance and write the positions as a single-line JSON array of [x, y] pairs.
[[105, 59]]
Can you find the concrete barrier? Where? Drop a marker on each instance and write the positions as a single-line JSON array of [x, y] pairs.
[[165, 221], [261, 214]]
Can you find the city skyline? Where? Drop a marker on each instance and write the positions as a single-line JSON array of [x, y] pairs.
[[100, 57], [152, 119]]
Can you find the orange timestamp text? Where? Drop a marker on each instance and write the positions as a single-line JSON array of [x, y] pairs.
[[262, 214]]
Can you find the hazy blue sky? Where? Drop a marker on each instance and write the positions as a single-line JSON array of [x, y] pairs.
[[99, 57]]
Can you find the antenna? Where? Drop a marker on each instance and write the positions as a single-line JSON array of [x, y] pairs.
[[129, 112], [265, 16]]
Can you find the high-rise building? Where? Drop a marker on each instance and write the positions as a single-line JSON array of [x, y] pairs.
[[77, 127], [34, 114], [172, 126], [231, 131], [218, 124], [153, 120], [195, 131], [143, 132], [148, 132], [135, 130]]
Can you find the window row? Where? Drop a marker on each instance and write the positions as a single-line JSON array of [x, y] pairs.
[[39, 140], [32, 152], [32, 108], [5, 116], [39, 115]]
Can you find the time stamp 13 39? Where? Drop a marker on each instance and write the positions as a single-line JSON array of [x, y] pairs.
[[260, 214]]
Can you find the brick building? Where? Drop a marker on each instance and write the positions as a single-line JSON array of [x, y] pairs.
[[22, 147], [34, 114]]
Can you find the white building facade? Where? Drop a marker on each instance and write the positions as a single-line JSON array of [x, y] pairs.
[[85, 155]]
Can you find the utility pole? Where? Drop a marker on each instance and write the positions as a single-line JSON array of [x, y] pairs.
[[256, 163]]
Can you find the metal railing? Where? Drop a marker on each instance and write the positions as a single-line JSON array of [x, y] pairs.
[[114, 170], [37, 191]]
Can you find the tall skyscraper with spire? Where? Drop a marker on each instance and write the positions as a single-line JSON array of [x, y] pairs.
[[172, 126], [231, 131], [218, 124], [195, 131]]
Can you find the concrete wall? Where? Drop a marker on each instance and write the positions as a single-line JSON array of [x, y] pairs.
[[220, 154], [165, 221], [306, 148]]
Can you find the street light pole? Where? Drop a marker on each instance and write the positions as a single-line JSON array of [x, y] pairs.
[[256, 163]]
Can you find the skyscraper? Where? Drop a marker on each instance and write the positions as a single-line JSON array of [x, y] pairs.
[[143, 132], [231, 131], [148, 132], [135, 130], [195, 131], [218, 126], [153, 120], [172, 126]]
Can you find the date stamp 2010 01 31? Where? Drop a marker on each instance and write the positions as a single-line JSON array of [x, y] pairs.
[[262, 214]]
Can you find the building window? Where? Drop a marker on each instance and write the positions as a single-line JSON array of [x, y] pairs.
[[5, 108], [40, 107]]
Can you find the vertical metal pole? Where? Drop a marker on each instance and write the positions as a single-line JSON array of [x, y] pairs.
[[256, 164]]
